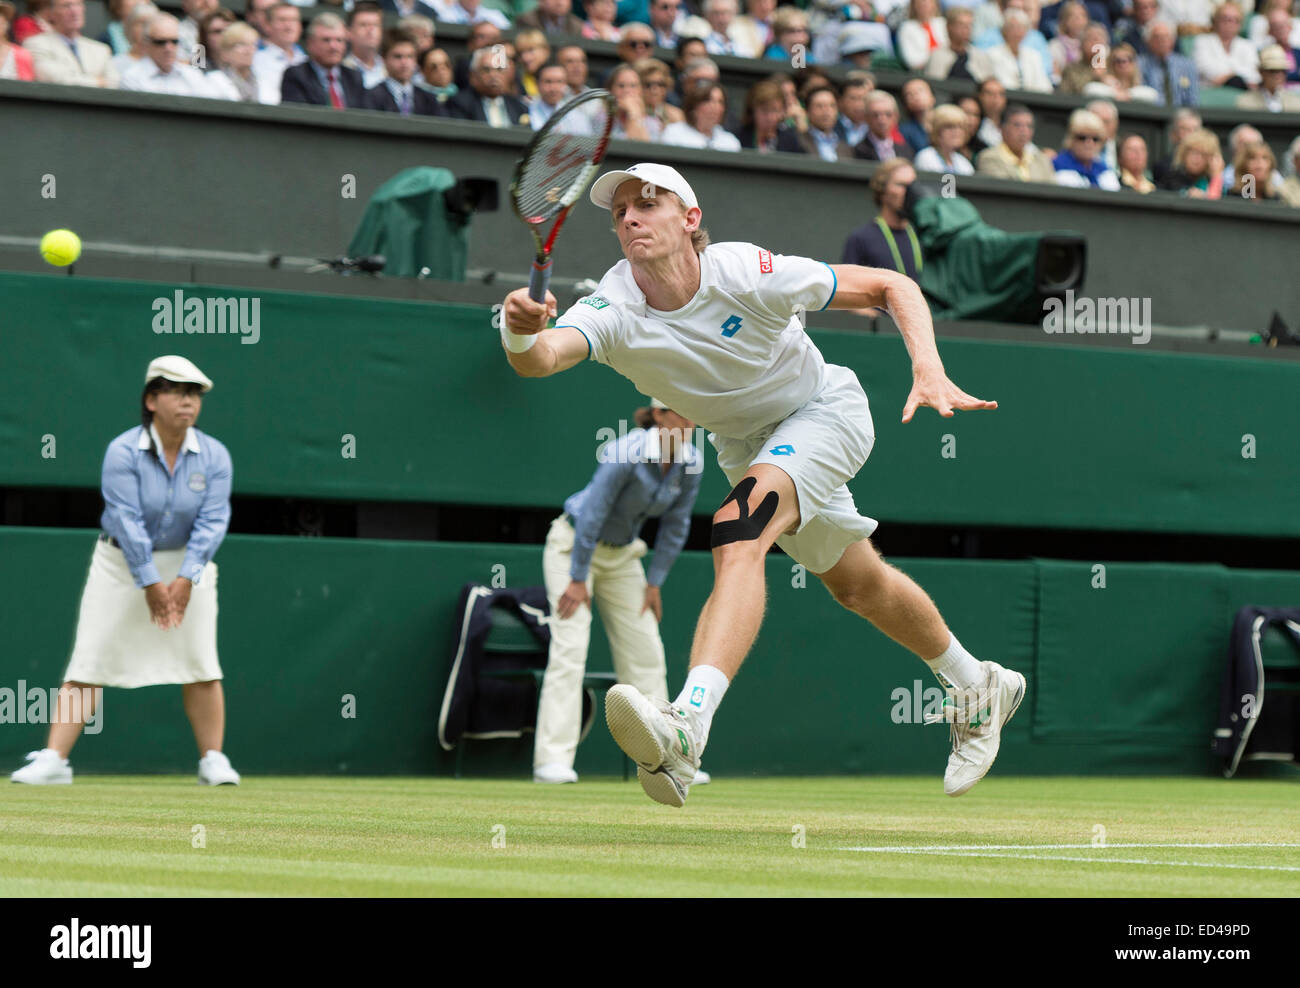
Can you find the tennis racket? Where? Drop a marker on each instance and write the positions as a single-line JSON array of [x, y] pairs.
[[557, 165]]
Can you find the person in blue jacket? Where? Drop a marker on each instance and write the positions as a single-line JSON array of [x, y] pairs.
[[593, 556]]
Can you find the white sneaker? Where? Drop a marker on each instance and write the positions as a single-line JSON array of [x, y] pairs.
[[658, 737], [702, 778], [554, 773], [45, 768], [977, 716], [215, 770]]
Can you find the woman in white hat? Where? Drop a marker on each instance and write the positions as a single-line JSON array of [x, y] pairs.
[[593, 553], [149, 609]]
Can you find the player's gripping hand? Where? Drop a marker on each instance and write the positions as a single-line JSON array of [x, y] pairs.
[[524, 316]]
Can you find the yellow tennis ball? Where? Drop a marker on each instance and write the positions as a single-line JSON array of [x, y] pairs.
[[61, 247]]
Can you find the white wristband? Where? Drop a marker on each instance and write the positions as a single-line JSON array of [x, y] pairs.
[[517, 343]]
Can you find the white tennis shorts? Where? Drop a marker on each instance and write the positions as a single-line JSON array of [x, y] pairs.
[[117, 644], [821, 445]]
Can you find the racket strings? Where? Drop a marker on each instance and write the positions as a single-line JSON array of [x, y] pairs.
[[557, 164]]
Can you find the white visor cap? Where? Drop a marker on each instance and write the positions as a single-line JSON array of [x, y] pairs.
[[663, 176]]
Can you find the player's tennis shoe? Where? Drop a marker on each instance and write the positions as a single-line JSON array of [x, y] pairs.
[[657, 736], [44, 768], [976, 717], [215, 770]]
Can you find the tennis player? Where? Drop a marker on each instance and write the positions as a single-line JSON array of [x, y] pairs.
[[714, 332], [149, 610]]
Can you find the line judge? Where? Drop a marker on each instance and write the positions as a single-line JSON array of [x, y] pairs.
[[149, 609]]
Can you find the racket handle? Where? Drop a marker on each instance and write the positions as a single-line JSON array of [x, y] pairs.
[[539, 280]]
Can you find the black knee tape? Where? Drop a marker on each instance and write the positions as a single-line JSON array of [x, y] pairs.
[[746, 528]]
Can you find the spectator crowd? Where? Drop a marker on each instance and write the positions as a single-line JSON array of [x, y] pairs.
[[520, 69]]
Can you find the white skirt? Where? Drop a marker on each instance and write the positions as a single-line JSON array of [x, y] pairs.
[[117, 644]]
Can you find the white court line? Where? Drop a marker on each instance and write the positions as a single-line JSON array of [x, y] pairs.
[[1136, 861], [993, 851], [935, 848]]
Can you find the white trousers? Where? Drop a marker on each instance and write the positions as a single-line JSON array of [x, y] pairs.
[[616, 584]]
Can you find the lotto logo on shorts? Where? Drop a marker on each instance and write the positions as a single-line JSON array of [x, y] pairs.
[[765, 261]]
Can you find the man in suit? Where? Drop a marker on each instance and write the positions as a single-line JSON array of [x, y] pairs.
[[959, 59], [554, 17], [486, 99], [1132, 30], [398, 93], [323, 80], [821, 138], [1016, 157], [481, 35], [852, 123], [882, 118], [63, 55], [552, 92], [1170, 74]]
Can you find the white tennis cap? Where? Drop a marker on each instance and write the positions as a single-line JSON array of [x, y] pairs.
[[177, 369], [602, 193]]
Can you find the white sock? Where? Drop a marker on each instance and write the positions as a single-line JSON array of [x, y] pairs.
[[704, 690], [957, 667]]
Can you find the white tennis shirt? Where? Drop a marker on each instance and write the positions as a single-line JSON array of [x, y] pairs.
[[735, 358]]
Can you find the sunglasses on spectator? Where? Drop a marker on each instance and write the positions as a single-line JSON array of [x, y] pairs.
[[641, 44], [1087, 137], [164, 41]]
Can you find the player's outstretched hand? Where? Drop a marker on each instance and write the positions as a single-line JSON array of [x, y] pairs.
[[524, 316], [942, 395]]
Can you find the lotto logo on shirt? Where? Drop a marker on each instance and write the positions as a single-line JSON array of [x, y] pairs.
[[765, 262]]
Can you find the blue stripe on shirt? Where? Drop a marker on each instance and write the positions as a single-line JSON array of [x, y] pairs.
[[584, 336], [835, 285]]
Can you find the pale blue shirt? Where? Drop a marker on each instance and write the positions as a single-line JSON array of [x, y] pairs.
[[148, 507], [827, 143], [854, 134], [628, 487]]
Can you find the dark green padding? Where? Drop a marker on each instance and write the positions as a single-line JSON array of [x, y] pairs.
[[1108, 438], [1122, 680]]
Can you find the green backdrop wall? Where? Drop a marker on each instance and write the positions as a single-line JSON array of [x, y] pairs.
[[1109, 438], [1122, 679]]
